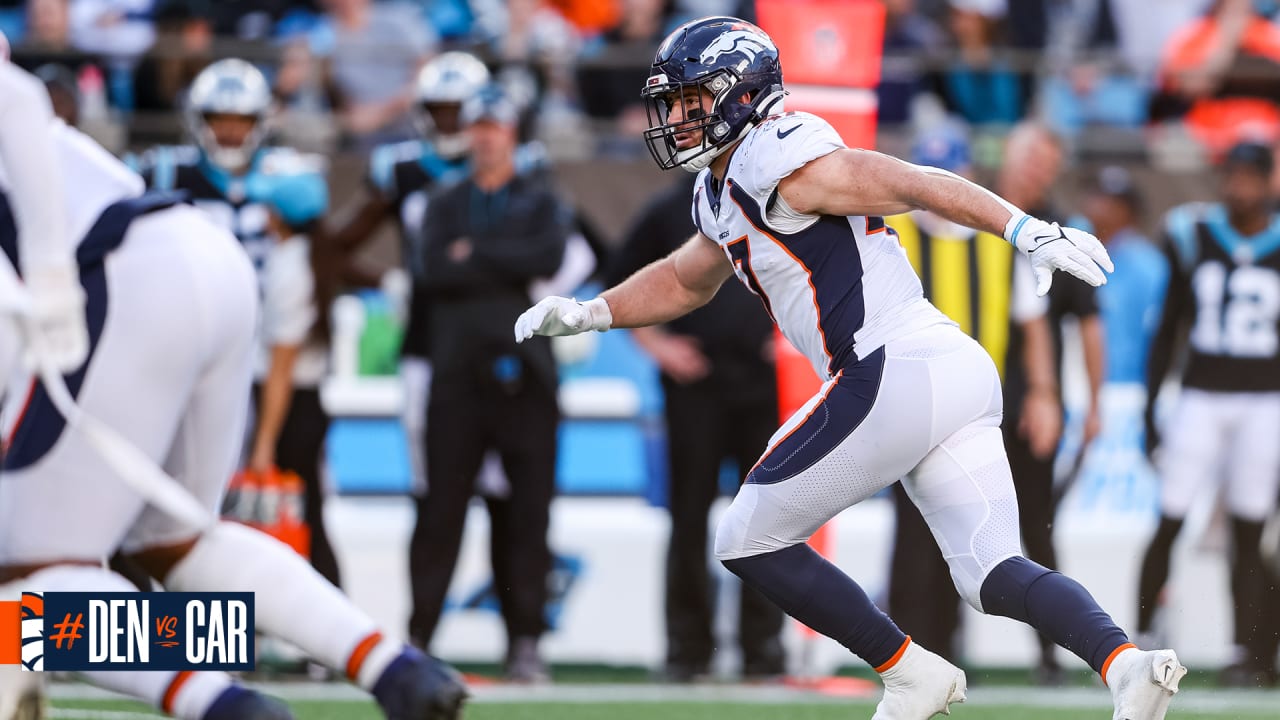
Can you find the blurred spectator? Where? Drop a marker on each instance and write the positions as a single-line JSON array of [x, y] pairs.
[[118, 29], [987, 289], [610, 86], [911, 44], [1223, 72], [48, 25], [536, 48], [183, 47], [1224, 282], [1088, 81], [686, 10], [589, 16], [1131, 300], [63, 93], [488, 237], [256, 19], [720, 386], [48, 40], [1033, 415], [982, 85], [373, 51], [1142, 34]]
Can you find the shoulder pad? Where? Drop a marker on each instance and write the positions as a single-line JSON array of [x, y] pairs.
[[287, 161], [298, 198], [778, 147], [384, 159], [1180, 225], [159, 165]]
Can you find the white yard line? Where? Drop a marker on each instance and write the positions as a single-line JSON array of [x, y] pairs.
[[1207, 700]]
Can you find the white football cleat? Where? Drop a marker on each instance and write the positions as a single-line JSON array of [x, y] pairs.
[[920, 686], [1143, 682]]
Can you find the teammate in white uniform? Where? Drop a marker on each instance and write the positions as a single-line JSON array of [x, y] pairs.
[[171, 302], [798, 215]]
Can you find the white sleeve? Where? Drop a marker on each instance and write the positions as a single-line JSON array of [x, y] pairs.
[[288, 293], [576, 266], [1025, 305], [32, 170]]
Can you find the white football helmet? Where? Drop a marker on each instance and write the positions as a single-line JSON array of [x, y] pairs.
[[442, 86], [229, 87]]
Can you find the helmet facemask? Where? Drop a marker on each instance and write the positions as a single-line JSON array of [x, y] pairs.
[[232, 157], [717, 123], [440, 123]]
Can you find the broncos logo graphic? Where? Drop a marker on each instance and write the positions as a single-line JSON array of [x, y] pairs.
[[32, 631], [747, 42]]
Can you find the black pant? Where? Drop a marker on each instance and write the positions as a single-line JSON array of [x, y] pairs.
[[464, 420], [299, 449], [922, 596], [1033, 480], [705, 424]]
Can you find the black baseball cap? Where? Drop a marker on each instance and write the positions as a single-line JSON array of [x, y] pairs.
[[1116, 182], [1251, 155]]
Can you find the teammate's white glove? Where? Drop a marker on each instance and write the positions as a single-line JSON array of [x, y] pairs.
[[57, 333], [1051, 247], [556, 316]]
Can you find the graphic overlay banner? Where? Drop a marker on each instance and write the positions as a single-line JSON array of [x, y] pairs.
[[128, 631]]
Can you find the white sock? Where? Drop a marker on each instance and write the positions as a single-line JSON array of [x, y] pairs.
[[184, 695], [291, 600]]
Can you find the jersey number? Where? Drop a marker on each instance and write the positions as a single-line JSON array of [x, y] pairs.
[[249, 223], [1236, 310], [740, 255]]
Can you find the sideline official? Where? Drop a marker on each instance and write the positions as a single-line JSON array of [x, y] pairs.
[[486, 239]]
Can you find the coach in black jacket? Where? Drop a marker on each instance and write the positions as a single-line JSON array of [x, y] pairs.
[[486, 238]]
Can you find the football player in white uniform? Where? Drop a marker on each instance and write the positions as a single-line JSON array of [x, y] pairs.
[[152, 312], [798, 217]]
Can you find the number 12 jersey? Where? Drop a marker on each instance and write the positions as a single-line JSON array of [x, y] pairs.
[[1228, 285]]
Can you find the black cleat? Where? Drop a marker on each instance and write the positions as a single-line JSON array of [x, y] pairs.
[[416, 686]]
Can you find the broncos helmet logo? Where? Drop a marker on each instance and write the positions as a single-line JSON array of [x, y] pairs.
[[746, 42]]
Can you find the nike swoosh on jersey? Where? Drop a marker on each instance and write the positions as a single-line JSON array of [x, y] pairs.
[[790, 130]]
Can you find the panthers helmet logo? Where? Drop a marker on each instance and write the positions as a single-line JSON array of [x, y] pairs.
[[747, 42]]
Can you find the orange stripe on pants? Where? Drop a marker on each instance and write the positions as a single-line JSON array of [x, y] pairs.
[[10, 632]]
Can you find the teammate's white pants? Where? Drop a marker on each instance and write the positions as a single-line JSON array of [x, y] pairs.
[[1222, 438], [9, 351], [170, 372], [928, 403]]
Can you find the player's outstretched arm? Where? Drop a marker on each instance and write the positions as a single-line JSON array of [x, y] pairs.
[[57, 332], [660, 292], [863, 182]]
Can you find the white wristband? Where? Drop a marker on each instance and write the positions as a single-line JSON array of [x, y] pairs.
[[599, 316], [1014, 226]]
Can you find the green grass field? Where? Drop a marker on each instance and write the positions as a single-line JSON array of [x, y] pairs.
[[349, 710], [724, 702]]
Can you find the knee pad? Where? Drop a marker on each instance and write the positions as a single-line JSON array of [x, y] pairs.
[[733, 537]]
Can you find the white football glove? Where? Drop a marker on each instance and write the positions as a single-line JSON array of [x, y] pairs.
[[1051, 247], [56, 330], [556, 316]]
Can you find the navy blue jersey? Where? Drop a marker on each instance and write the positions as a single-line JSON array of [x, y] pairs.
[[279, 180]]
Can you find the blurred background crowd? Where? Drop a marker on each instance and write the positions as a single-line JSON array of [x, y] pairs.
[[518, 170]]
